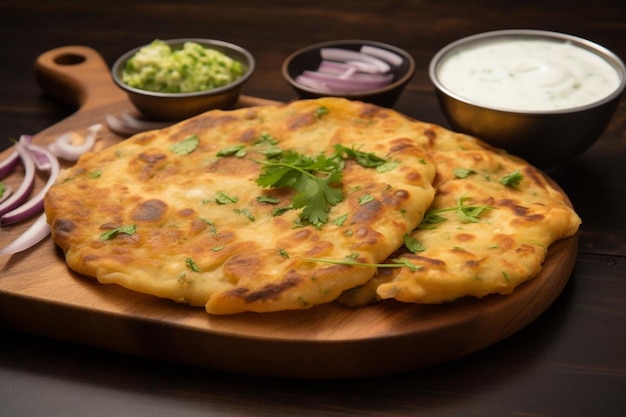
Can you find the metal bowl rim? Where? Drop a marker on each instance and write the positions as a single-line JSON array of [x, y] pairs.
[[121, 61], [604, 53]]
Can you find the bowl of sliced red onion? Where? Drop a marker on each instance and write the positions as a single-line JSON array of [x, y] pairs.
[[363, 70]]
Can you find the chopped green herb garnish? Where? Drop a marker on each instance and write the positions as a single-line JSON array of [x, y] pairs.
[[267, 199], [266, 139], [128, 230], [223, 198], [212, 228], [463, 172], [432, 219], [470, 214], [235, 150], [366, 159], [185, 146], [512, 180], [280, 210], [412, 244], [246, 213], [282, 252], [192, 265], [339, 221], [366, 198], [388, 166], [466, 213], [217, 248], [2, 189], [321, 111], [96, 173]]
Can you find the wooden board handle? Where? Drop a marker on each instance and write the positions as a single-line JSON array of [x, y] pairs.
[[78, 76]]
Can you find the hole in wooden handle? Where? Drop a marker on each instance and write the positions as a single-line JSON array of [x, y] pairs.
[[69, 59]]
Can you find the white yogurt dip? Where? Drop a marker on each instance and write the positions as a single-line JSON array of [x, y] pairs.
[[528, 74]]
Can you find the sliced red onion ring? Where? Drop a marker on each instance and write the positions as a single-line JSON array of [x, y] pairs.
[[63, 148], [142, 125], [35, 204], [42, 159], [363, 67], [311, 83], [128, 125], [384, 54], [349, 71], [33, 235], [9, 164], [334, 67], [21, 194], [340, 54], [358, 82], [364, 79], [26, 140], [118, 126], [6, 193]]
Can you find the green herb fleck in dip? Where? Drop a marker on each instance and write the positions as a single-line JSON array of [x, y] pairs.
[[157, 67]]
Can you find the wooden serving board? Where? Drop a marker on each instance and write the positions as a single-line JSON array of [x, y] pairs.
[[40, 295]]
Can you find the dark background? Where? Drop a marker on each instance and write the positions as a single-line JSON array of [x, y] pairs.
[[570, 362]]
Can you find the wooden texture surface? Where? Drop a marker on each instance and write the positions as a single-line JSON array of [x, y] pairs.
[[324, 342], [570, 361]]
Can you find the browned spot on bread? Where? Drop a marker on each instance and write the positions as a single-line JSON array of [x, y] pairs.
[[301, 120], [267, 292], [186, 212], [504, 242], [229, 166], [198, 124], [471, 264], [150, 211], [248, 135], [465, 237], [395, 199], [425, 260], [431, 135], [366, 213], [150, 163]]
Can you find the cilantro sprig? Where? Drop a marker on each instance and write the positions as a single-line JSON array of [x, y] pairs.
[[313, 178], [185, 146], [349, 261], [316, 179], [512, 180], [128, 230], [365, 159], [465, 212]]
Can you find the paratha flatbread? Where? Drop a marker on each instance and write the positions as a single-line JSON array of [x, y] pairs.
[[498, 241], [165, 214]]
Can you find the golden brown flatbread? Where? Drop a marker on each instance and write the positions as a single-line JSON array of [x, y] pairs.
[[178, 213], [488, 230]]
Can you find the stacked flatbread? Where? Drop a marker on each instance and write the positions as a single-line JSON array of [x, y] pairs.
[[180, 213]]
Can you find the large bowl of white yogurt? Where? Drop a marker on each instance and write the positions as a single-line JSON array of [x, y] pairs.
[[541, 95]]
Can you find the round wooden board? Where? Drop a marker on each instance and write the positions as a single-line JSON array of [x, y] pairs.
[[39, 294], [332, 341]]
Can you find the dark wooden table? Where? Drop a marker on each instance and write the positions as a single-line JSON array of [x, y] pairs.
[[569, 362]]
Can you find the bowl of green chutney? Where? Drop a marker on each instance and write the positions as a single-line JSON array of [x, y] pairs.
[[172, 80]]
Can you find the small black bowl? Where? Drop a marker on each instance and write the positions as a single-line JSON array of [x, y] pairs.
[[309, 58]]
